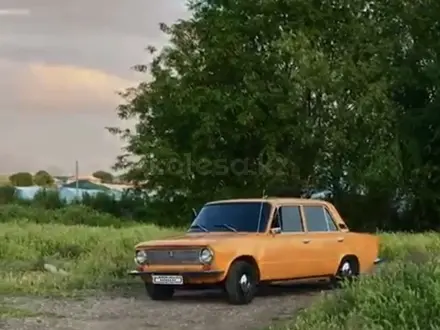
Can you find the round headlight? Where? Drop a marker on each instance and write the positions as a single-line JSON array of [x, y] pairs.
[[141, 257], [206, 256]]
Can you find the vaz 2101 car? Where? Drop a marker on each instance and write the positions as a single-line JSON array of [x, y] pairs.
[[241, 243]]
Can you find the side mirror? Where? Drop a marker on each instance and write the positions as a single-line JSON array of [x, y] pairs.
[[275, 231], [194, 213]]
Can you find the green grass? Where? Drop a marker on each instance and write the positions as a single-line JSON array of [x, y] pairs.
[[94, 257], [404, 294]]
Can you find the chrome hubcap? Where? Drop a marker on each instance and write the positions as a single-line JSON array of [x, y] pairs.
[[346, 269], [244, 283]]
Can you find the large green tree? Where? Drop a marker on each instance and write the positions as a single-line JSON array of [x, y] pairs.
[[252, 94]]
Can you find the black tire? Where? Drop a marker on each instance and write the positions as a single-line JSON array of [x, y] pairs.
[[159, 292], [241, 293], [348, 270]]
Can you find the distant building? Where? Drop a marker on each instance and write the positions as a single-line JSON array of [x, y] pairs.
[[89, 178]]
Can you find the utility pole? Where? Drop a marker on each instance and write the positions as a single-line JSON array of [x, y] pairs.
[[77, 178]]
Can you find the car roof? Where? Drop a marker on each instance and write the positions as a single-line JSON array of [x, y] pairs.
[[272, 200]]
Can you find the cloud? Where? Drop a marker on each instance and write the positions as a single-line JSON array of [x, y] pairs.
[[40, 87], [14, 12], [60, 68], [52, 115]]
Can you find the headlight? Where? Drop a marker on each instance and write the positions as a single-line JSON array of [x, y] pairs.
[[141, 257], [206, 256]]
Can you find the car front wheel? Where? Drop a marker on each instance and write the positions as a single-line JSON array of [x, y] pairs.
[[159, 292], [241, 283]]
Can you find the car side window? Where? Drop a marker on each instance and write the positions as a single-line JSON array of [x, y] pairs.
[[331, 226], [315, 218], [291, 219]]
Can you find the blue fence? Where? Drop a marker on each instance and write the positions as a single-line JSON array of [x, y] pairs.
[[65, 193]]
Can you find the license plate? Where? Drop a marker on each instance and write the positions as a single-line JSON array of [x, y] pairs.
[[167, 279]]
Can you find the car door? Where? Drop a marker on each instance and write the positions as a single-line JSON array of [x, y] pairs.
[[289, 252], [325, 237]]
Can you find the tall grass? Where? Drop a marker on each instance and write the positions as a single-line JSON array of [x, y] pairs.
[[92, 256], [94, 248], [404, 295]]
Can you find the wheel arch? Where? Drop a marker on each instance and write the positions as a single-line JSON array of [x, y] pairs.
[[350, 257], [247, 258]]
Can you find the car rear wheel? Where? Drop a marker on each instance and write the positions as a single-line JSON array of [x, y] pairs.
[[348, 270], [159, 292], [241, 283]]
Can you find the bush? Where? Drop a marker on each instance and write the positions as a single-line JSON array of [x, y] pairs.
[[70, 215], [130, 206], [48, 199], [7, 194]]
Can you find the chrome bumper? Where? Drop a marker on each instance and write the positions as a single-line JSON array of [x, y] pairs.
[[193, 274]]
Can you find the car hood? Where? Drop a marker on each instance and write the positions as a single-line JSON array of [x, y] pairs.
[[194, 239]]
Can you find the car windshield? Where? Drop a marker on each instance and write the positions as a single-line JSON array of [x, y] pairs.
[[233, 217]]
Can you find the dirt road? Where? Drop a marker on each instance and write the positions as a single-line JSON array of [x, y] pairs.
[[133, 310]]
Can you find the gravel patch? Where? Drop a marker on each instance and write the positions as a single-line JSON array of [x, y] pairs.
[[133, 310]]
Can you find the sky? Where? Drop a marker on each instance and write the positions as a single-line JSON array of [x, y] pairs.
[[61, 64]]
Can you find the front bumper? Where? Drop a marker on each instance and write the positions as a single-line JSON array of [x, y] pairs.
[[190, 277], [193, 274]]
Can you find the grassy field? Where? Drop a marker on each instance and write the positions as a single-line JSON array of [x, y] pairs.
[[404, 295], [92, 256]]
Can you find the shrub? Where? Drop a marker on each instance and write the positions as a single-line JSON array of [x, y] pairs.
[[7, 194], [130, 206], [70, 215], [48, 199], [102, 202]]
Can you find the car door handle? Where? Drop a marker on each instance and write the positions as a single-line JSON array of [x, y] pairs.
[[340, 239], [306, 241]]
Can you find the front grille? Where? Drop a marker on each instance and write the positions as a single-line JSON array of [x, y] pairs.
[[173, 256]]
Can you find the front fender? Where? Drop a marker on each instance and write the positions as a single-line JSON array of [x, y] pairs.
[[227, 255]]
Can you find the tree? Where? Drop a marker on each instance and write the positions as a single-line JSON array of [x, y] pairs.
[[43, 178], [307, 94], [252, 85], [21, 179], [105, 177]]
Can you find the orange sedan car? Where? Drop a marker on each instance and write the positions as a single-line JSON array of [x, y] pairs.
[[241, 243]]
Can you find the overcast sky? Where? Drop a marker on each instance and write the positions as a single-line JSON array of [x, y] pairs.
[[61, 63]]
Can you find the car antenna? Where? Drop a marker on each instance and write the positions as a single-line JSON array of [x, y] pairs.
[[261, 210]]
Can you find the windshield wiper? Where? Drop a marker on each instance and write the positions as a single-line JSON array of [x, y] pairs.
[[200, 227], [231, 228]]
